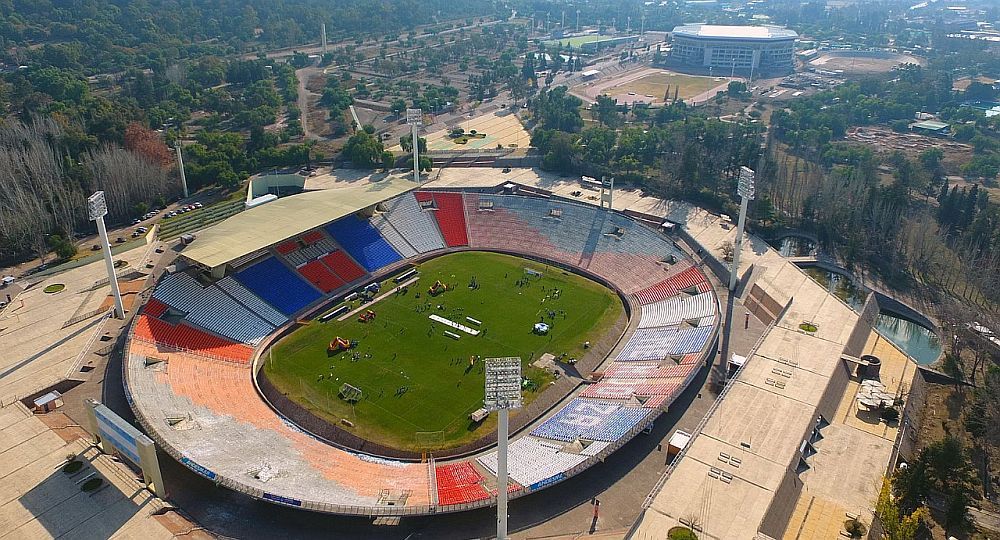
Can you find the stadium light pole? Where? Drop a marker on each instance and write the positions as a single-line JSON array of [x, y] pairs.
[[503, 392], [180, 167], [415, 117], [97, 207], [746, 191]]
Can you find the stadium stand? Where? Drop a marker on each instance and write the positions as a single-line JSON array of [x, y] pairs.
[[278, 286], [418, 228], [184, 337], [320, 246], [212, 309], [343, 266], [363, 241], [593, 420], [312, 237], [253, 302], [649, 344], [653, 367], [676, 309], [319, 275], [690, 340], [459, 483], [393, 236], [691, 278], [450, 216], [155, 308], [233, 420], [531, 460]]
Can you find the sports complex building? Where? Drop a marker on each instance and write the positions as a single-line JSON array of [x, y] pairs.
[[197, 346], [759, 48], [788, 447]]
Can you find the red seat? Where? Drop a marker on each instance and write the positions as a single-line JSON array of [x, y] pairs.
[[450, 216], [320, 276], [312, 237], [186, 337], [155, 308], [459, 483], [287, 247], [342, 264]]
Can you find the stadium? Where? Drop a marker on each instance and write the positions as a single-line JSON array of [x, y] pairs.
[[759, 48], [323, 351]]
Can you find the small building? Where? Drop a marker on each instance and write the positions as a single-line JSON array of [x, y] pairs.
[[48, 402], [930, 127], [590, 74]]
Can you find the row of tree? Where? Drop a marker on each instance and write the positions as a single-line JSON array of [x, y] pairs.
[[44, 197]]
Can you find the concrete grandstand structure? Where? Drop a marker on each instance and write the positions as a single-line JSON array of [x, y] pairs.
[[757, 48], [195, 348]]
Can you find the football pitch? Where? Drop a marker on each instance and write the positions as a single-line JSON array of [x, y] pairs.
[[418, 385]]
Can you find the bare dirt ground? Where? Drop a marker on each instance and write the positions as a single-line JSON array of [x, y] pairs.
[[883, 139], [649, 85], [861, 61]]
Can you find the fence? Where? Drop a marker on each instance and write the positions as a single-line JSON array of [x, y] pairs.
[[98, 330]]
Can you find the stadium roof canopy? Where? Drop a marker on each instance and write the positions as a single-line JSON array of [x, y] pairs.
[[749, 33], [263, 226]]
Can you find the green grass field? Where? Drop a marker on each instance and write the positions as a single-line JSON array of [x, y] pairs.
[[575, 41], [403, 347]]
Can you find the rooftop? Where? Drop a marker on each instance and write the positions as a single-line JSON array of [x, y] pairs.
[[735, 32], [262, 226], [933, 125]]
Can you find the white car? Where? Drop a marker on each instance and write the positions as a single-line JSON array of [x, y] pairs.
[[7, 280]]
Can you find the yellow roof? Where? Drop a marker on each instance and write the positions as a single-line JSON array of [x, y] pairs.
[[263, 226]]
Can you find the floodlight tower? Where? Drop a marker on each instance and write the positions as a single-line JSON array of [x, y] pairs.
[[97, 207], [415, 118], [578, 21], [746, 191], [180, 167], [503, 392], [322, 36]]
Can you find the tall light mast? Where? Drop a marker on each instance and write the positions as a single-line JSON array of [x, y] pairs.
[[746, 191], [503, 392], [97, 207], [415, 117]]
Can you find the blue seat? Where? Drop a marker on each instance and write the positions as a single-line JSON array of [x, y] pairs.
[[279, 286], [363, 242]]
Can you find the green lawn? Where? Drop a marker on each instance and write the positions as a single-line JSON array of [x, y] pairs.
[[575, 41], [402, 347]]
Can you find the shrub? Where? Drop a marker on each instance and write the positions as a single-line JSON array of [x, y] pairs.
[[855, 528], [72, 467], [889, 414], [681, 533], [92, 484]]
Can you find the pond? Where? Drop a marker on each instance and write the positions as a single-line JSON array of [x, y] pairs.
[[794, 246], [919, 342]]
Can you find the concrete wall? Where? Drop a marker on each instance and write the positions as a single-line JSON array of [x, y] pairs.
[[859, 336], [262, 185], [782, 504], [834, 391]]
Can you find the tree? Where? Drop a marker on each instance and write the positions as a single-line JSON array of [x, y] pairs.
[[398, 106], [388, 160], [982, 419], [148, 144], [557, 109], [895, 525], [605, 111], [941, 467], [406, 143], [363, 150]]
